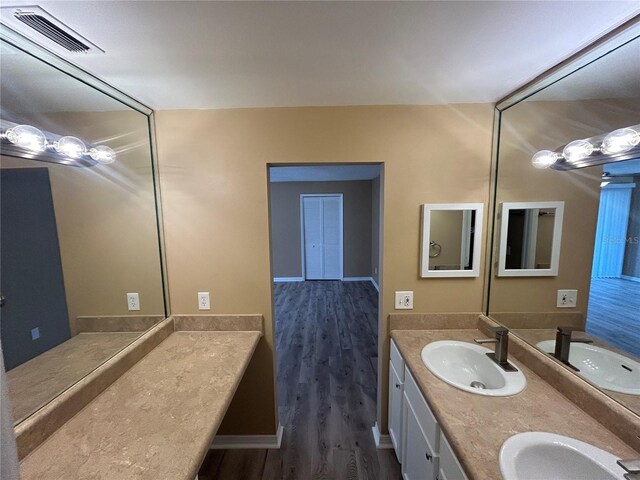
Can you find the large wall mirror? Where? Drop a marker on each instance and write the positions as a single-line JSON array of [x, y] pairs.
[[579, 105], [80, 251]]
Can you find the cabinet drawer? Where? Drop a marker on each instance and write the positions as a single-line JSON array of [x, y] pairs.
[[450, 468], [397, 361], [425, 418]]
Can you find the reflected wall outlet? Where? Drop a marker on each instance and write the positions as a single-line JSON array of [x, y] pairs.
[[404, 301], [133, 301], [35, 333], [567, 298], [203, 301]]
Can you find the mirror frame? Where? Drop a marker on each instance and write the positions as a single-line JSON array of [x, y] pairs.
[[555, 243], [427, 208]]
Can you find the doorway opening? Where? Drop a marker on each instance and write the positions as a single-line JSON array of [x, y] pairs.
[[325, 299], [614, 296]]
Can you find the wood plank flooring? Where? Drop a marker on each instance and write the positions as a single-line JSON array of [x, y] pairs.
[[614, 313], [326, 336]]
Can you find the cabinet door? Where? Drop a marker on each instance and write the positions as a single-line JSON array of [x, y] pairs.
[[420, 463], [395, 411]]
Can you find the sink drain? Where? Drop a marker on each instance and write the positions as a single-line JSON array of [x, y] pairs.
[[478, 385]]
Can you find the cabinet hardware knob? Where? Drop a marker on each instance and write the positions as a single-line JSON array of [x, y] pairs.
[[397, 385], [429, 457]]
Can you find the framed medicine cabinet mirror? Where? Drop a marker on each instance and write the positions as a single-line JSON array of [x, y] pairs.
[[530, 237], [451, 239]]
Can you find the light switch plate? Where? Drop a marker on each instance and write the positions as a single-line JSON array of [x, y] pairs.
[[404, 300], [203, 301], [567, 298], [133, 301]]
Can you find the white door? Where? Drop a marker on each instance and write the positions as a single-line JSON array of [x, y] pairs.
[[322, 232]]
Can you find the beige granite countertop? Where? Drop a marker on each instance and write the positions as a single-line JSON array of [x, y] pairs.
[[477, 426], [158, 420]]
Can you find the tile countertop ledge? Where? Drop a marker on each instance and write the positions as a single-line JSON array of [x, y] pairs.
[[157, 420], [477, 426]]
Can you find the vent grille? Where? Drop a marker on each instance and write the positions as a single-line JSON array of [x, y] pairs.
[[54, 33], [35, 23]]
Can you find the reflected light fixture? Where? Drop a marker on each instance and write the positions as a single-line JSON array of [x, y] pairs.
[[619, 145], [26, 141], [103, 154], [27, 137], [71, 147]]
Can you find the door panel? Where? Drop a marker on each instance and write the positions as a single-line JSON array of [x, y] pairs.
[[312, 215], [322, 229]]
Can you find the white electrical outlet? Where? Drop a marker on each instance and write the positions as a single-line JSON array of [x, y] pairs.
[[567, 298], [404, 300], [133, 301], [203, 301], [35, 333]]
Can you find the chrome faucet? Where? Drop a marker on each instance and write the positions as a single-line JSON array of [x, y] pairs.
[[632, 467], [502, 347], [563, 344]]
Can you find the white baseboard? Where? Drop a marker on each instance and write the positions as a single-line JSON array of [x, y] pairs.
[[231, 442], [630, 278], [381, 441], [362, 279], [288, 279]]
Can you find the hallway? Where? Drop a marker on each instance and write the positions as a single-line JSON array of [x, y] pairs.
[[326, 333]]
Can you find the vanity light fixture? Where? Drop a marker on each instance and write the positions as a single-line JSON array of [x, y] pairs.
[[29, 142], [619, 145]]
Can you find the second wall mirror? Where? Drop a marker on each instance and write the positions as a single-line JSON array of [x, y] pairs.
[[451, 236], [530, 236]]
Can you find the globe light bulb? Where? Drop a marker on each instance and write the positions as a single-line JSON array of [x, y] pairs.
[[71, 147], [577, 150], [103, 154], [27, 137], [620, 141], [544, 159]]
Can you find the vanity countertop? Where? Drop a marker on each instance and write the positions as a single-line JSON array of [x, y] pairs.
[[477, 426], [157, 420]]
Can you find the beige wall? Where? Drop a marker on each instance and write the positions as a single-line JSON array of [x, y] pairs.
[[213, 174], [105, 217], [533, 126], [285, 225]]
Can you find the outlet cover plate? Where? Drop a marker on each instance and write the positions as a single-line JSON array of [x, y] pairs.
[[203, 301], [35, 333], [567, 299], [133, 301], [404, 300]]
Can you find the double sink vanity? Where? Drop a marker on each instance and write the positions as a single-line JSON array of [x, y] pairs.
[[456, 413]]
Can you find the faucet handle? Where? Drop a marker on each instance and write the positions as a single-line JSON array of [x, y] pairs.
[[567, 330], [631, 465]]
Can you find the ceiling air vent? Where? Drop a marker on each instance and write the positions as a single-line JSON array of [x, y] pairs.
[[35, 23]]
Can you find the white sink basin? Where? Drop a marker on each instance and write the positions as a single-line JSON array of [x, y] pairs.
[[460, 364], [604, 368], [540, 455]]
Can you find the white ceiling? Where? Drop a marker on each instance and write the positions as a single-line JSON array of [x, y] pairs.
[[323, 173], [171, 54]]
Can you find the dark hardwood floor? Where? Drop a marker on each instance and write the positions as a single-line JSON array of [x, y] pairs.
[[326, 335], [614, 313]]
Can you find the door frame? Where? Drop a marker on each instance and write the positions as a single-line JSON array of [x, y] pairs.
[[302, 239]]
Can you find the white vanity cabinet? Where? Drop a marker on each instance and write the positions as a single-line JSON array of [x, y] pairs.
[[421, 447], [396, 400]]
